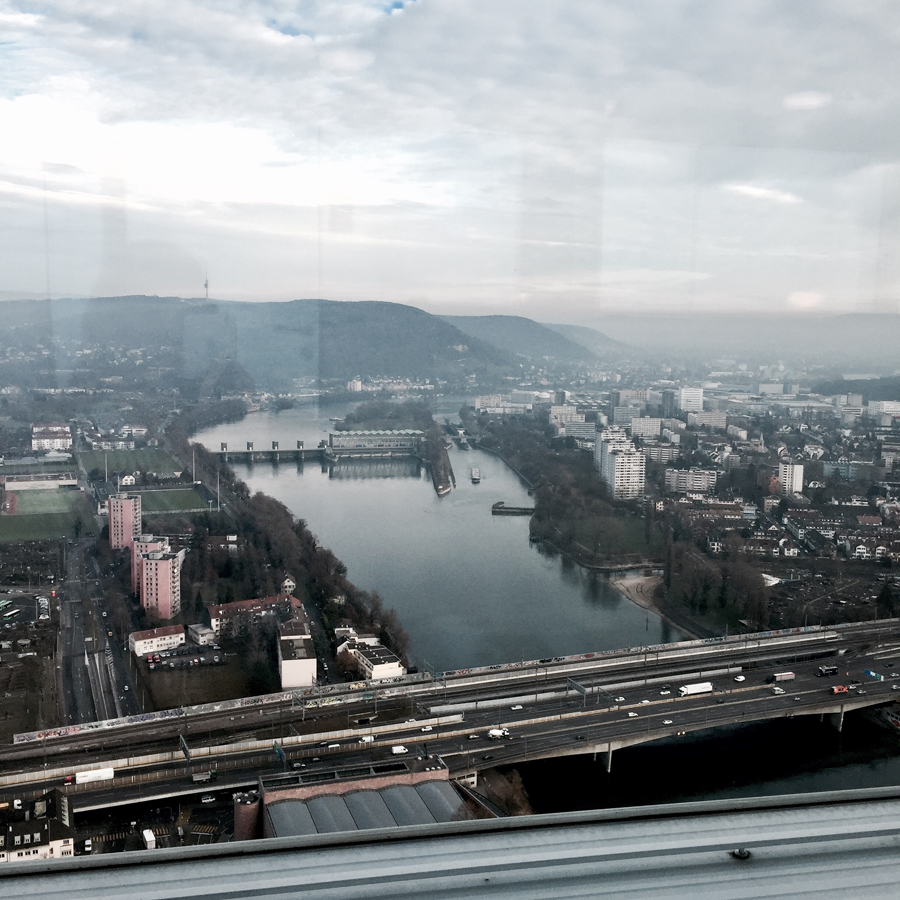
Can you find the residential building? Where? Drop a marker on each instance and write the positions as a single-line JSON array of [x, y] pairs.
[[167, 637], [36, 829], [690, 399], [141, 546], [790, 478], [622, 466], [560, 414], [711, 419], [646, 426], [227, 619], [373, 660], [683, 481], [51, 437], [124, 519], [661, 453], [296, 655], [161, 583]]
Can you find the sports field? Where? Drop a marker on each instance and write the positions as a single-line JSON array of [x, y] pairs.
[[45, 515], [171, 501], [129, 461], [33, 503]]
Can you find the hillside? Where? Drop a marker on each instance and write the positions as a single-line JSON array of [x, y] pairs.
[[523, 337], [236, 345], [589, 338]]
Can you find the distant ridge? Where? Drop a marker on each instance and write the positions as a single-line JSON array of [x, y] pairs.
[[270, 345], [590, 338], [525, 337]]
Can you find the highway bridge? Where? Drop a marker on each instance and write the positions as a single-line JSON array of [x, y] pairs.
[[588, 703]]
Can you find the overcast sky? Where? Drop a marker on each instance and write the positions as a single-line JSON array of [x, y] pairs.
[[552, 159]]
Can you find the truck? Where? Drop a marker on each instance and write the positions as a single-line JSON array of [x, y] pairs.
[[91, 775], [497, 734], [826, 670], [840, 689], [149, 839], [780, 676], [202, 777], [701, 687]]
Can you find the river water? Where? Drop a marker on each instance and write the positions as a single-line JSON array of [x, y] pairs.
[[469, 587], [471, 590]]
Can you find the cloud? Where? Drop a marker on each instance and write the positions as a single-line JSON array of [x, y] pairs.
[[602, 133], [806, 100], [805, 300], [763, 193]]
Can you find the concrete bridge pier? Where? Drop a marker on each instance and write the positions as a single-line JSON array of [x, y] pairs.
[[837, 719], [609, 759]]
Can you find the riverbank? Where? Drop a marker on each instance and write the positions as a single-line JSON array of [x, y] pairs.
[[642, 590]]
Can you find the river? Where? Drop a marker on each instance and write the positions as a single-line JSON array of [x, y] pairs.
[[471, 590], [469, 587]]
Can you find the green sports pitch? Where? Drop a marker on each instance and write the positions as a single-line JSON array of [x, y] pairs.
[[128, 461], [177, 500]]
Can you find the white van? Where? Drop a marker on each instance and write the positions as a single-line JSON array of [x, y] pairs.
[[399, 750], [366, 739]]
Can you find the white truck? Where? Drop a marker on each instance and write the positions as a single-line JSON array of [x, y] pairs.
[[497, 734], [149, 839], [701, 687], [91, 775]]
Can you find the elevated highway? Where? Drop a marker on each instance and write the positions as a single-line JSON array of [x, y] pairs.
[[591, 703]]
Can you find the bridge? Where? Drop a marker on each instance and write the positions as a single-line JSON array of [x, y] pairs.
[[587, 703]]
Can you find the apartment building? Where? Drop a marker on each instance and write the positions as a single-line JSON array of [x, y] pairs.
[[124, 519]]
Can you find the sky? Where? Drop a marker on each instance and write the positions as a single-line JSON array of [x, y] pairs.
[[559, 160]]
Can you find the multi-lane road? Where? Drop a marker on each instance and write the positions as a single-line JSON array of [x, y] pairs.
[[94, 682], [556, 708]]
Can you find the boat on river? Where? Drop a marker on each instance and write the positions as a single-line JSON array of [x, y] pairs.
[[476, 475]]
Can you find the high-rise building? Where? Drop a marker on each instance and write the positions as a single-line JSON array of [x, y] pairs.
[[790, 478], [667, 405], [690, 399], [141, 546], [621, 465], [124, 519], [161, 584]]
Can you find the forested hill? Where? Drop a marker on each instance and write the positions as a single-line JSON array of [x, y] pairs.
[[525, 337], [231, 346]]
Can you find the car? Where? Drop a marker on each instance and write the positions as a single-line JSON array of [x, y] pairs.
[[207, 798], [88, 846], [777, 690], [860, 691], [632, 715], [720, 699], [578, 737], [668, 722], [644, 702], [323, 743], [517, 706], [474, 737], [740, 678], [487, 756], [664, 693], [895, 687], [797, 699], [619, 699], [427, 728], [299, 765]]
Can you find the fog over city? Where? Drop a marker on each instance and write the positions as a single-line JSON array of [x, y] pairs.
[[555, 161]]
